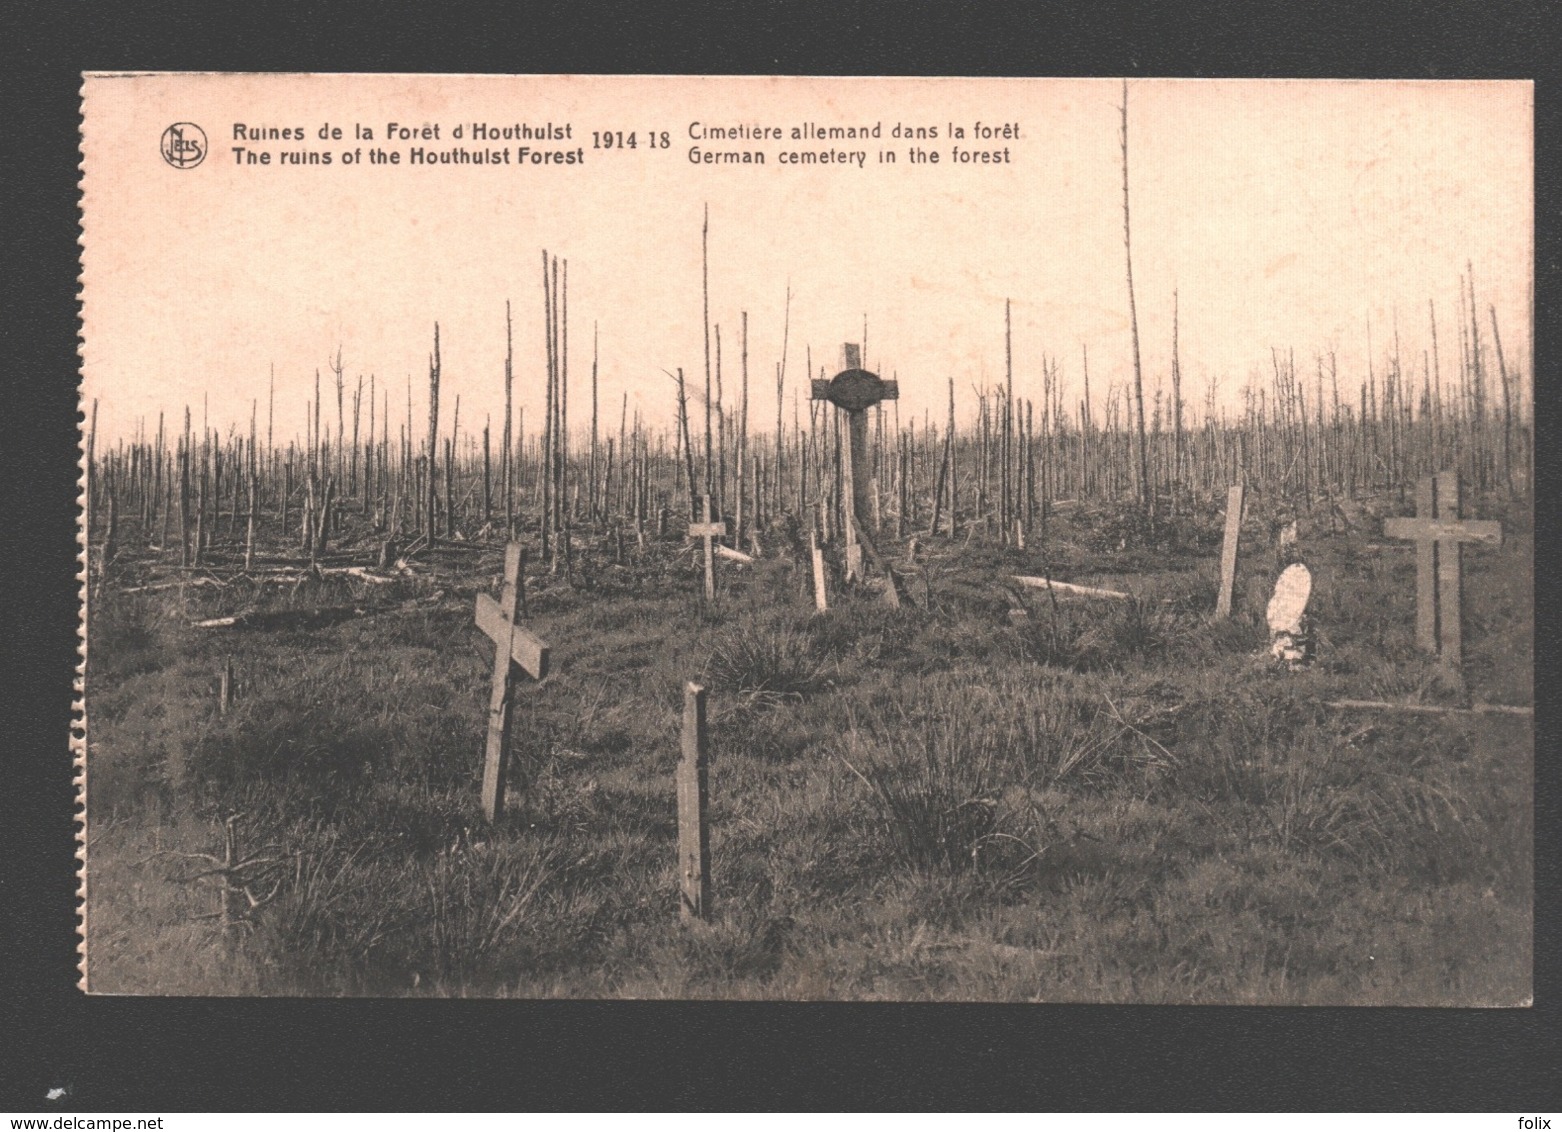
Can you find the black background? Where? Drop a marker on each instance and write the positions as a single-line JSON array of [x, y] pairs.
[[170, 1055]]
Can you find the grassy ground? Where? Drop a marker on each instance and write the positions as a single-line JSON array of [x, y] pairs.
[[981, 795]]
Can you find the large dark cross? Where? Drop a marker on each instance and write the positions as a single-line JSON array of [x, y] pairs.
[[1438, 532], [854, 391], [513, 647]]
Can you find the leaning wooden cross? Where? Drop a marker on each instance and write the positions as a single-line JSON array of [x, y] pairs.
[[708, 530], [513, 646], [854, 391], [1438, 532]]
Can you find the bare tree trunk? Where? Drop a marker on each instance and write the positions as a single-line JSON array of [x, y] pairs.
[[369, 463], [688, 450], [1146, 491], [705, 295], [336, 369], [786, 332], [1007, 446], [720, 495], [561, 492], [431, 498], [547, 415], [592, 495], [506, 462], [1507, 409], [353, 462], [1177, 461], [742, 448]]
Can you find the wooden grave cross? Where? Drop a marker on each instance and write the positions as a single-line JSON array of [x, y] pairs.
[[513, 646], [708, 530], [1438, 532]]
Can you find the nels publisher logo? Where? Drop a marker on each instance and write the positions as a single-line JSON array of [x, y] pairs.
[[184, 145]]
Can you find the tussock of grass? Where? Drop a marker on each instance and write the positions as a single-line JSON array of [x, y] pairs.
[[477, 905], [955, 771], [1111, 636], [767, 661]]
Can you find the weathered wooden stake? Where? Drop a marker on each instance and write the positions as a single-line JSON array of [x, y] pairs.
[[821, 600], [707, 531], [693, 794], [1228, 551], [253, 520], [513, 645]]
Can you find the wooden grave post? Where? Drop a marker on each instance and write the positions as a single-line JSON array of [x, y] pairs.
[[1438, 532], [693, 795], [854, 391], [513, 646], [1228, 550], [707, 531]]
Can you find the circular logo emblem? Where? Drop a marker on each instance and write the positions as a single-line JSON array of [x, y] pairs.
[[184, 145]]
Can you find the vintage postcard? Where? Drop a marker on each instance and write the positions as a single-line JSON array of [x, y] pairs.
[[801, 538]]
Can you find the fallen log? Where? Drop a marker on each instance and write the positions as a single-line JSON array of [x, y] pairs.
[[1068, 588], [176, 583], [285, 618], [733, 555], [1430, 709], [360, 572]]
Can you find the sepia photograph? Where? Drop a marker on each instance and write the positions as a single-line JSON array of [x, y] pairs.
[[846, 539]]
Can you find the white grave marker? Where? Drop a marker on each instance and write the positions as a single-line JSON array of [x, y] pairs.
[[1287, 615]]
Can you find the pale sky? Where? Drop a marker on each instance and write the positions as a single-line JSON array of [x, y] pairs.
[[1287, 214]]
